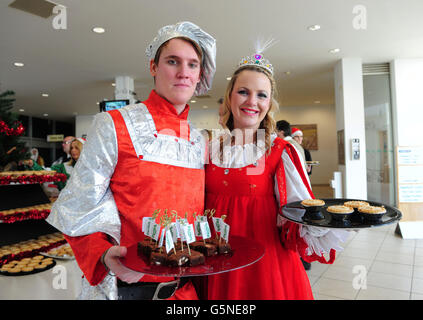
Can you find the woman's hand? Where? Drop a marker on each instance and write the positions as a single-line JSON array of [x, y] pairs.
[[111, 260]]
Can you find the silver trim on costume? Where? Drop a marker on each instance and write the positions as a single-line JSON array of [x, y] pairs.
[[86, 205], [105, 290], [160, 148]]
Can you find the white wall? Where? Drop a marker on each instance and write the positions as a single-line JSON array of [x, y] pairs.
[[82, 124], [205, 118], [324, 117]]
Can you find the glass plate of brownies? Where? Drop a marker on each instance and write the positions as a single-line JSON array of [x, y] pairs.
[[200, 259]]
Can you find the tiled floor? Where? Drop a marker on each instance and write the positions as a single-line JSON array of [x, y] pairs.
[[376, 264]]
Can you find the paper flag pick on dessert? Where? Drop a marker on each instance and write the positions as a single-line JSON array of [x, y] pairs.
[[173, 229], [188, 232], [225, 231], [162, 235], [197, 228], [169, 242], [217, 224], [205, 230], [154, 231], [145, 224]]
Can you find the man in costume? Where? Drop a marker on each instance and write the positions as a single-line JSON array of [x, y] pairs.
[[136, 160]]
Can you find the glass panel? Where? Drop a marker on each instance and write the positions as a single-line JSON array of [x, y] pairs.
[[379, 142]]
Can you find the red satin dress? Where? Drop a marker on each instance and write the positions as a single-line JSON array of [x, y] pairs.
[[251, 207], [139, 188]]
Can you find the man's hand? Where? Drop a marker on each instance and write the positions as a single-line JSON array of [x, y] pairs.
[[111, 260]]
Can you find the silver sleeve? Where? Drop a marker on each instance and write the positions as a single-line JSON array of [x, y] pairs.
[[86, 205]]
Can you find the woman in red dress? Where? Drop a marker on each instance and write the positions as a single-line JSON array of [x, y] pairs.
[[251, 174]]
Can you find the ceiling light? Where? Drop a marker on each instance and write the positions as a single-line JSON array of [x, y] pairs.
[[317, 101], [228, 78], [336, 50], [18, 64], [21, 110], [45, 95], [99, 30], [113, 84], [193, 101], [205, 107], [314, 27], [45, 114]]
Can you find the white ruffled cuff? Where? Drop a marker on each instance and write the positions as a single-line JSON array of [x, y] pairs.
[[322, 240]]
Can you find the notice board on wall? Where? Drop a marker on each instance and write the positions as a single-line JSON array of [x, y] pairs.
[[409, 169]]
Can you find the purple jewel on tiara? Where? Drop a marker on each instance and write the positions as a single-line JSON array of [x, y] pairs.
[[257, 56]]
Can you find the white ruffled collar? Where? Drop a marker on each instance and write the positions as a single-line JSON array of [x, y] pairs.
[[237, 156]]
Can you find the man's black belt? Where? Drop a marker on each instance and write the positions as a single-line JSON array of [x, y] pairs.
[[149, 290]]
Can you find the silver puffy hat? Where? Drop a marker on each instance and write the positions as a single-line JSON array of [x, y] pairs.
[[205, 41]]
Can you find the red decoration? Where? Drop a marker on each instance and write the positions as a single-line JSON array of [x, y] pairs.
[[24, 215], [19, 130], [33, 179]]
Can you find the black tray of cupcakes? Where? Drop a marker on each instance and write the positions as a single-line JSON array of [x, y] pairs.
[[340, 213]]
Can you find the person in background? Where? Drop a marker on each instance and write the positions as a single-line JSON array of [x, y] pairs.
[[65, 157], [35, 156], [283, 130], [298, 136], [67, 168], [139, 159]]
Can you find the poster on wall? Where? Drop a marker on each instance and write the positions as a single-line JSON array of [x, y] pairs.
[[410, 174], [310, 135]]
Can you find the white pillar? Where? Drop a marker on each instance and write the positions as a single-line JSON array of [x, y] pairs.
[[124, 88], [407, 105], [349, 104]]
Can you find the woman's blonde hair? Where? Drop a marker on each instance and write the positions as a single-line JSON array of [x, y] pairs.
[[268, 123], [79, 145]]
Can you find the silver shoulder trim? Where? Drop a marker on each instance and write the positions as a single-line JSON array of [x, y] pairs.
[[153, 146]]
